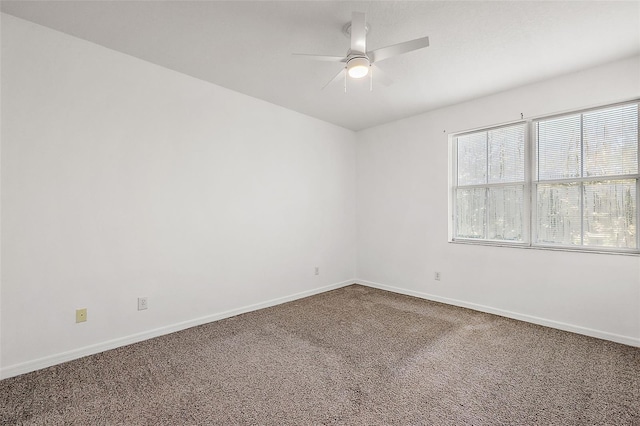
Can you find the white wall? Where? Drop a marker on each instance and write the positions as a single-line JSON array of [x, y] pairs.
[[403, 209], [123, 179]]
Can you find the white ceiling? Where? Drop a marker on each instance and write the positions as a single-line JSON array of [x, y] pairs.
[[477, 48]]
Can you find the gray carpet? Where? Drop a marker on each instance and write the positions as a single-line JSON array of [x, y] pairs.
[[355, 356]]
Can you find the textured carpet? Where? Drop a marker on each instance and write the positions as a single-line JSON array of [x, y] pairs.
[[351, 356]]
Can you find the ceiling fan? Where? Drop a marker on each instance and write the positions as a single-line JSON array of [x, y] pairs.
[[358, 61]]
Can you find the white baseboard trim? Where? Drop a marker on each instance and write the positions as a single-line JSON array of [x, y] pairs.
[[626, 340], [48, 361]]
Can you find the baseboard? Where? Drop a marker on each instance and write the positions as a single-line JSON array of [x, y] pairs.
[[48, 361], [626, 340], [37, 364]]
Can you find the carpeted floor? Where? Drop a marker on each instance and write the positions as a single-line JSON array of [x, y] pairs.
[[356, 356]]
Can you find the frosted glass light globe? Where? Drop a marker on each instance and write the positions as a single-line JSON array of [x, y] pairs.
[[358, 67]]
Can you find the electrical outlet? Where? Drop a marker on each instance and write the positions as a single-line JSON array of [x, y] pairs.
[[142, 303], [436, 276], [81, 315], [317, 270]]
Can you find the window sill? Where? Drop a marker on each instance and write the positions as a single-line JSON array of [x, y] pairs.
[[548, 248]]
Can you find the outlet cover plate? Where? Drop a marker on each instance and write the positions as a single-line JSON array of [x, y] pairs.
[[142, 303], [81, 315]]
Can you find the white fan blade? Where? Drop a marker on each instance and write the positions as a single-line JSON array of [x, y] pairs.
[[397, 49], [336, 78], [358, 33], [380, 76], [321, 57]]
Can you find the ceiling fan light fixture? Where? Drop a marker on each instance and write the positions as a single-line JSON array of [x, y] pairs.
[[359, 60], [358, 67]]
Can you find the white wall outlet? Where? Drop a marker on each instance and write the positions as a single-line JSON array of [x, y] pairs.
[[317, 270], [436, 276], [142, 303]]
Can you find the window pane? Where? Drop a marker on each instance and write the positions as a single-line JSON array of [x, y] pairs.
[[559, 155], [472, 159], [611, 141], [505, 211], [610, 213], [506, 154], [558, 214], [471, 207]]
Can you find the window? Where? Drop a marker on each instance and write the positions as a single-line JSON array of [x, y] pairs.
[[577, 188], [490, 190]]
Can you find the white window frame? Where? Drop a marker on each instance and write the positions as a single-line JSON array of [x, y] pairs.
[[530, 188], [526, 220]]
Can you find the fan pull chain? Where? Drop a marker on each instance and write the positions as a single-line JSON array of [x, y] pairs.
[[345, 80]]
